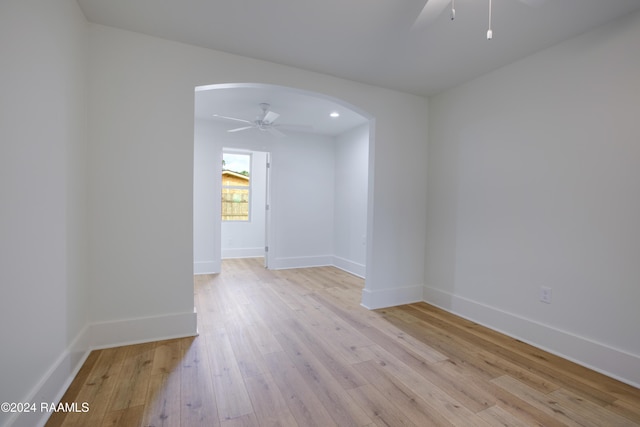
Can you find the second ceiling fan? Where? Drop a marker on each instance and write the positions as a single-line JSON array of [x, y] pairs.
[[263, 122]]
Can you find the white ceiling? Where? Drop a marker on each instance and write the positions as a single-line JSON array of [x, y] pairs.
[[372, 41], [295, 107]]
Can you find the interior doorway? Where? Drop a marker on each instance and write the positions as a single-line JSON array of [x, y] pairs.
[[319, 179]]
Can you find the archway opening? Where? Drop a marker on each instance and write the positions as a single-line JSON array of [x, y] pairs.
[[320, 191]]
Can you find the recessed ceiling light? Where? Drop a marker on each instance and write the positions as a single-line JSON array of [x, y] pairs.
[[334, 114]]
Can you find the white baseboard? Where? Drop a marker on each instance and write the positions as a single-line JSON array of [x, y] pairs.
[[210, 267], [206, 267], [600, 357], [349, 266], [144, 329], [300, 262], [242, 252], [391, 297], [54, 383], [95, 336]]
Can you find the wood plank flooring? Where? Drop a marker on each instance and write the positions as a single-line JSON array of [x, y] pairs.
[[295, 348]]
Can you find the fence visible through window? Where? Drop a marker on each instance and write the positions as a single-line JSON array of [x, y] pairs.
[[235, 204]]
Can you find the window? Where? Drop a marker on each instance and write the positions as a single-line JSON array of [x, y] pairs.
[[236, 186]]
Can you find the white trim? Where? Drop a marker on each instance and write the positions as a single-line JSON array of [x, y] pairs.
[[382, 298], [96, 336], [143, 329], [597, 356], [205, 267], [350, 267], [300, 262], [228, 253], [54, 382]]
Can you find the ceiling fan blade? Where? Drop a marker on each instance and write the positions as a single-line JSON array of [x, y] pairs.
[[270, 117], [239, 129], [231, 118], [430, 12]]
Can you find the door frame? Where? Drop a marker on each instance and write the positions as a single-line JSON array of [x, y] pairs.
[[266, 240]]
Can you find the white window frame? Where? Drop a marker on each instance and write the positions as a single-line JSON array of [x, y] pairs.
[[249, 188]]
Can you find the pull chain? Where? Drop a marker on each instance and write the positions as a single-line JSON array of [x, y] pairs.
[[489, 31]]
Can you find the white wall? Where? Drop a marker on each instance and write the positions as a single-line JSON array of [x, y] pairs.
[[141, 163], [141, 199], [43, 195], [350, 213], [246, 239], [206, 187], [136, 251], [533, 179], [319, 201], [302, 183], [302, 202]]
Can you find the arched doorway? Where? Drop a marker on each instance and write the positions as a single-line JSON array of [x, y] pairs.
[[318, 176]]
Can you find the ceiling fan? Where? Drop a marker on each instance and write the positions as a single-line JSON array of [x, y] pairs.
[[434, 8], [263, 122]]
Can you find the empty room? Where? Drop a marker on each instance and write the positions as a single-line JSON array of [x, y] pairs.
[[436, 222]]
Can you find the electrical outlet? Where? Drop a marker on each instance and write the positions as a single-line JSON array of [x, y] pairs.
[[545, 295]]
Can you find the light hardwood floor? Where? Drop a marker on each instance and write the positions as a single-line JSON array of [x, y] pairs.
[[295, 348]]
